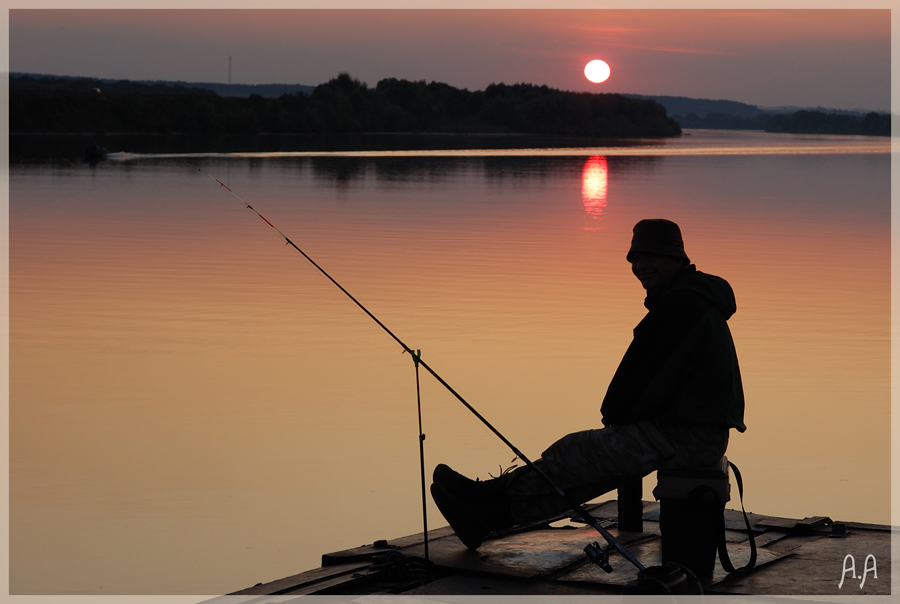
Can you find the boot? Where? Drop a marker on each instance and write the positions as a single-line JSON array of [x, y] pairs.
[[472, 507], [465, 519], [476, 491]]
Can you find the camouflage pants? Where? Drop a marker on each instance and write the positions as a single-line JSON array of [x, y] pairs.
[[589, 463]]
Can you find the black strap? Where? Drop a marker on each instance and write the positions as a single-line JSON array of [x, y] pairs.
[[723, 549]]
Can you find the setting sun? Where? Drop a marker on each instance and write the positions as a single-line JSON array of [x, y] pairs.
[[596, 71]]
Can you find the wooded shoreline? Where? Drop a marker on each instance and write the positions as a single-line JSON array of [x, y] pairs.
[[345, 105]]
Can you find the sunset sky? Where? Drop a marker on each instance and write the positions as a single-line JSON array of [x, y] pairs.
[[829, 58]]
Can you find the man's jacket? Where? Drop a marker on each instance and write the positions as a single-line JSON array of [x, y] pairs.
[[681, 368]]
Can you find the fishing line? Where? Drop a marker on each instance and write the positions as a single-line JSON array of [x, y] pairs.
[[600, 557]]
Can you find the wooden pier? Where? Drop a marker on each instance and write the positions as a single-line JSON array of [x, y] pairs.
[[811, 556]]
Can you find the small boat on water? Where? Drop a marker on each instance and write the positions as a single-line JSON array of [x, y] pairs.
[[95, 153], [812, 556]]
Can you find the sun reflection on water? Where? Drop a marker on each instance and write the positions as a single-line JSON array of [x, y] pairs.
[[594, 179]]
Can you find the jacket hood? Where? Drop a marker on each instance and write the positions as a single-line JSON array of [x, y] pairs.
[[715, 289]]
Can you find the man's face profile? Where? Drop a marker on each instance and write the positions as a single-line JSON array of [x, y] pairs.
[[654, 269]]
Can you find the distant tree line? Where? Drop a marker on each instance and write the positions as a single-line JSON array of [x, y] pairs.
[[343, 105], [680, 105], [23, 82], [799, 122], [817, 122]]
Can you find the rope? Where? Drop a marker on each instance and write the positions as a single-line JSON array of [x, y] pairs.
[[723, 548]]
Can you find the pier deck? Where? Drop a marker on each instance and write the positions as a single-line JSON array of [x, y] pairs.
[[795, 557]]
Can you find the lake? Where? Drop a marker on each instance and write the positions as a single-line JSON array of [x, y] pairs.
[[195, 409]]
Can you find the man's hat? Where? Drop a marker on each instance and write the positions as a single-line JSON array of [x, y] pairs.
[[657, 236]]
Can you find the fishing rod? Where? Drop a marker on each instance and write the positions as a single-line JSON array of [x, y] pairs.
[[598, 556]]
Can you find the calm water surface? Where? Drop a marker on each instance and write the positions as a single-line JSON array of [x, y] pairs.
[[194, 409]]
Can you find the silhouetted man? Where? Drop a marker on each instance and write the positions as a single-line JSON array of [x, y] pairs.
[[670, 404]]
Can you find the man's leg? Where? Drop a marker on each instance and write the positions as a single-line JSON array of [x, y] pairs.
[[585, 465]]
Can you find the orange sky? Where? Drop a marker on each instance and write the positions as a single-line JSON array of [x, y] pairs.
[[829, 58]]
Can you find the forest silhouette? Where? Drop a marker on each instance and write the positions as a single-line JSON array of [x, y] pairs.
[[343, 105]]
